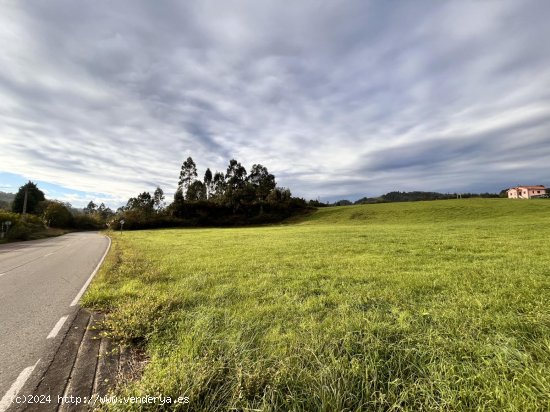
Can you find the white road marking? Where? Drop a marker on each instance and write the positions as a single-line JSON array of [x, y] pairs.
[[57, 327], [2, 274], [12, 392], [77, 298], [49, 254]]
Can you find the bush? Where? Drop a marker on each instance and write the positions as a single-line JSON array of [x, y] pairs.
[[88, 222], [57, 215], [20, 230]]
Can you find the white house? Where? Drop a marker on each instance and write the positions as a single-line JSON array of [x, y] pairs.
[[526, 192]]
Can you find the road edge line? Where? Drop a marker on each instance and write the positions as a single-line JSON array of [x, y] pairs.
[[77, 298], [11, 394], [57, 327]]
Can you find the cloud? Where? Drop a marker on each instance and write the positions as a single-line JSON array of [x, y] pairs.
[[337, 99]]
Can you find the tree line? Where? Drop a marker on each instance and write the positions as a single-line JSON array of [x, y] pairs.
[[415, 196], [233, 197], [30, 213]]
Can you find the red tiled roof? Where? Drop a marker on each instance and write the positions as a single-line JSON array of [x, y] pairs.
[[528, 187]]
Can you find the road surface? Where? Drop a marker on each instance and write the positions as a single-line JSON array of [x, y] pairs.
[[40, 284]]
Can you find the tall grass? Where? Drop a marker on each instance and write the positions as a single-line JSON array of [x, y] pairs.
[[422, 306]]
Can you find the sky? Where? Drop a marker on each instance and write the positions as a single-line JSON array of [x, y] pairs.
[[338, 99]]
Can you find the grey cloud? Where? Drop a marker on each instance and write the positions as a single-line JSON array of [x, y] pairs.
[[501, 144], [336, 98]]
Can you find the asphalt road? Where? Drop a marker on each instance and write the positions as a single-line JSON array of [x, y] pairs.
[[40, 283]]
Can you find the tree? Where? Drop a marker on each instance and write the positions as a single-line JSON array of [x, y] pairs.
[[262, 181], [158, 199], [104, 212], [56, 214], [196, 191], [178, 196], [235, 182], [34, 196], [178, 204], [143, 203], [343, 202], [208, 182], [188, 174], [91, 208], [279, 195], [218, 184], [235, 176]]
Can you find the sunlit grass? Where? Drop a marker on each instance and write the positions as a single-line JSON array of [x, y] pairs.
[[411, 306]]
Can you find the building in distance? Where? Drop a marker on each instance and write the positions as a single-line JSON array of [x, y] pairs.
[[526, 192]]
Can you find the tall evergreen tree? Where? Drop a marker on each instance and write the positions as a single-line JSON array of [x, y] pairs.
[[262, 181], [208, 183], [218, 185], [188, 174], [235, 175], [196, 191], [235, 182], [34, 196]]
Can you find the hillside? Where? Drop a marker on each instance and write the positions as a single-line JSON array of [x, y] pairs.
[[437, 211], [6, 199]]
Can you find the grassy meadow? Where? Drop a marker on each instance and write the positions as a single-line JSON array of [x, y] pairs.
[[439, 305]]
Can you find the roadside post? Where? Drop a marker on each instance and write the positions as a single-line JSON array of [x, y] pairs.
[[121, 225], [6, 225]]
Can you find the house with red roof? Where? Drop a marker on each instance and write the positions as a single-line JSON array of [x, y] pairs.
[[526, 192]]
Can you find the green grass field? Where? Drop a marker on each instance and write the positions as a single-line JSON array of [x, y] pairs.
[[404, 306]]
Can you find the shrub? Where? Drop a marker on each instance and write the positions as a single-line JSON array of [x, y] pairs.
[[88, 222], [57, 215], [19, 229]]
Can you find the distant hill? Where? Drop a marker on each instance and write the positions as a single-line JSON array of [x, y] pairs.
[[438, 211], [6, 199], [419, 196]]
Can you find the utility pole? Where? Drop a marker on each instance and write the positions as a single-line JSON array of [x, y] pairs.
[[25, 203]]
